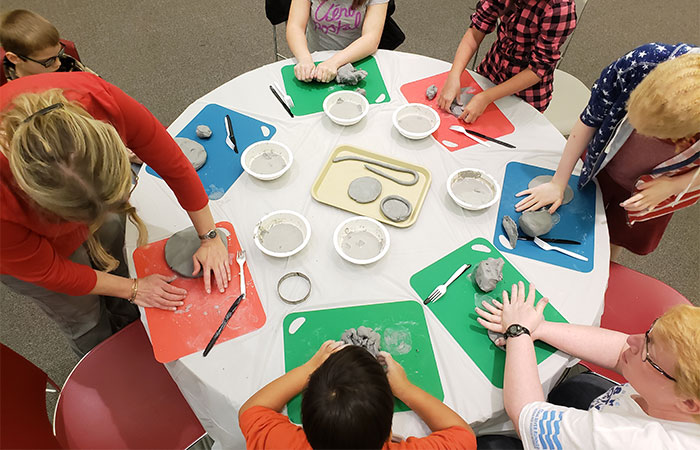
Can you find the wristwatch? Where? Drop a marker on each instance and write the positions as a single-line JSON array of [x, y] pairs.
[[211, 234], [516, 330]]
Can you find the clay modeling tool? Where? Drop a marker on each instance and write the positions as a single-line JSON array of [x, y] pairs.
[[489, 138], [461, 129], [228, 315], [277, 96], [552, 240], [440, 290], [287, 99], [230, 138], [545, 246]]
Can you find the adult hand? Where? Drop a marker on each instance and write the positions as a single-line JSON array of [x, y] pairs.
[[516, 309], [475, 108], [325, 72], [212, 256], [448, 93], [394, 373], [651, 194], [155, 291], [326, 350], [304, 71], [540, 196]]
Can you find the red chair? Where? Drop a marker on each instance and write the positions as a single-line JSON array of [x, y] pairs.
[[119, 396], [632, 301], [24, 422]]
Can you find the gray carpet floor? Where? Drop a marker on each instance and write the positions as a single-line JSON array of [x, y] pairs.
[[167, 54]]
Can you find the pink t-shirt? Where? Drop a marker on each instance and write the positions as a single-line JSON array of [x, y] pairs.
[[333, 24]]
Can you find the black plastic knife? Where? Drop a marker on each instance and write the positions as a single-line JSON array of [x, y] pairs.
[[552, 240], [228, 315]]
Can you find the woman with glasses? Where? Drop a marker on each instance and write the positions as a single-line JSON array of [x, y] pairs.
[[659, 407], [65, 188]]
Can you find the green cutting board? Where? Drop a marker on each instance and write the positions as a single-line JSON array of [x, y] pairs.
[[455, 310], [308, 97], [404, 335]]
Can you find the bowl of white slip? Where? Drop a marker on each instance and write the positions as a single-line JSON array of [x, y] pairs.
[[473, 189], [416, 120], [361, 240], [345, 107], [267, 160], [282, 233]]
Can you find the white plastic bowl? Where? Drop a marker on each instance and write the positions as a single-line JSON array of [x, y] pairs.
[[420, 110], [478, 174], [258, 149], [356, 225], [281, 217], [346, 96]]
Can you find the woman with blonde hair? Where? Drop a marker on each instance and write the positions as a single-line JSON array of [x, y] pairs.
[[641, 132], [66, 183]]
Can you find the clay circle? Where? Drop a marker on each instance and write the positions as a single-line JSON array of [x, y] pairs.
[[364, 189], [194, 151], [396, 208], [180, 247], [542, 179], [288, 276]]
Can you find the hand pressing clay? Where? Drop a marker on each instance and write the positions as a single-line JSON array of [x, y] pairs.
[[488, 273], [361, 91], [458, 104], [511, 230], [180, 248], [431, 92], [347, 74], [535, 223], [203, 132], [194, 151], [365, 337], [364, 189], [542, 179]]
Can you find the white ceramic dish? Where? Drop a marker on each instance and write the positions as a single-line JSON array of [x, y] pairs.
[[361, 240], [473, 178], [352, 97], [266, 155], [282, 233], [419, 115]]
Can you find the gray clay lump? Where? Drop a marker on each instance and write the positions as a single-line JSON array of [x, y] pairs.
[[535, 223], [458, 104], [488, 273], [379, 172], [542, 179], [431, 92], [364, 189], [203, 132], [361, 91], [180, 248], [194, 151], [364, 337], [347, 74], [511, 229]]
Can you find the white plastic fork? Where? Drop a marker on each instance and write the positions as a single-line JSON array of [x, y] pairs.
[[240, 259], [440, 290], [545, 246]]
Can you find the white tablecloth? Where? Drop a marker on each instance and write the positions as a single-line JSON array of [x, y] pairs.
[[218, 385]]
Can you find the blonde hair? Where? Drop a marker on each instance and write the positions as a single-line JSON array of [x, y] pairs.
[[679, 330], [23, 32], [70, 165], [666, 104]]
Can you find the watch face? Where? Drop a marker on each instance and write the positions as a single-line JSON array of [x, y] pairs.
[[211, 234], [516, 330]]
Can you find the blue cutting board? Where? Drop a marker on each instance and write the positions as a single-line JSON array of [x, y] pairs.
[[577, 219], [223, 165]]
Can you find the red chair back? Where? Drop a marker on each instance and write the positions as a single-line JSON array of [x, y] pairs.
[[632, 301], [119, 396]]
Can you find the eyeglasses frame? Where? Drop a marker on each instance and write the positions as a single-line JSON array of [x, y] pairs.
[[48, 62], [646, 354]]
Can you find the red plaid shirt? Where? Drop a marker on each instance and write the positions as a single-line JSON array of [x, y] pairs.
[[530, 34]]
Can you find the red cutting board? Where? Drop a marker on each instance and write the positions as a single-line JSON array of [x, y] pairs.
[[492, 122], [175, 334]]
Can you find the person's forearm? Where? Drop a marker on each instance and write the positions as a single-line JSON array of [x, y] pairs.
[[600, 346], [368, 42], [279, 392], [521, 381], [467, 47], [513, 85], [432, 411], [202, 220], [581, 134], [112, 285], [296, 30]]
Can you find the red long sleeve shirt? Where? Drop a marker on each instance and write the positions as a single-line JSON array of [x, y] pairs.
[[36, 250]]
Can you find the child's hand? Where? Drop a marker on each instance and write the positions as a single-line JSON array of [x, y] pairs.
[[304, 71], [394, 373], [325, 72], [651, 194], [326, 350], [475, 108], [448, 93], [545, 194]]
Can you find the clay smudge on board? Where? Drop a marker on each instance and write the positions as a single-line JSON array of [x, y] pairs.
[[397, 340]]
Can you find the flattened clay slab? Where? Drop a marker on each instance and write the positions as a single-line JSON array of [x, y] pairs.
[[180, 248], [364, 189], [542, 179], [535, 223], [488, 273], [364, 337], [194, 151], [396, 208]]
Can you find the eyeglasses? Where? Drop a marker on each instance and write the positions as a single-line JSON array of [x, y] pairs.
[[48, 62], [646, 353]]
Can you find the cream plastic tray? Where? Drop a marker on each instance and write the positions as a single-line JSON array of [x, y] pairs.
[[331, 185]]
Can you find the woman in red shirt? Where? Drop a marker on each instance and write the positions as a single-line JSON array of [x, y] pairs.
[[65, 171]]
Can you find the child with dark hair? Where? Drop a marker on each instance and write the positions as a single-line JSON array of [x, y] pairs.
[[348, 403]]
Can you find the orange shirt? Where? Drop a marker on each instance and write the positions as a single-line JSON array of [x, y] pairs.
[[266, 429]]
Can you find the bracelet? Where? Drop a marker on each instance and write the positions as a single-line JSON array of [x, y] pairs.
[[134, 290]]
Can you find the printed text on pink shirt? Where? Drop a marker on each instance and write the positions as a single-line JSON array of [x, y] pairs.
[[328, 18]]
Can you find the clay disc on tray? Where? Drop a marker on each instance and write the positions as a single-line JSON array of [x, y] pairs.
[[542, 179], [194, 151], [396, 208], [180, 248], [364, 189]]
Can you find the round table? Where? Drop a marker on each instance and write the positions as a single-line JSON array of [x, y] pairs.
[[218, 385]]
